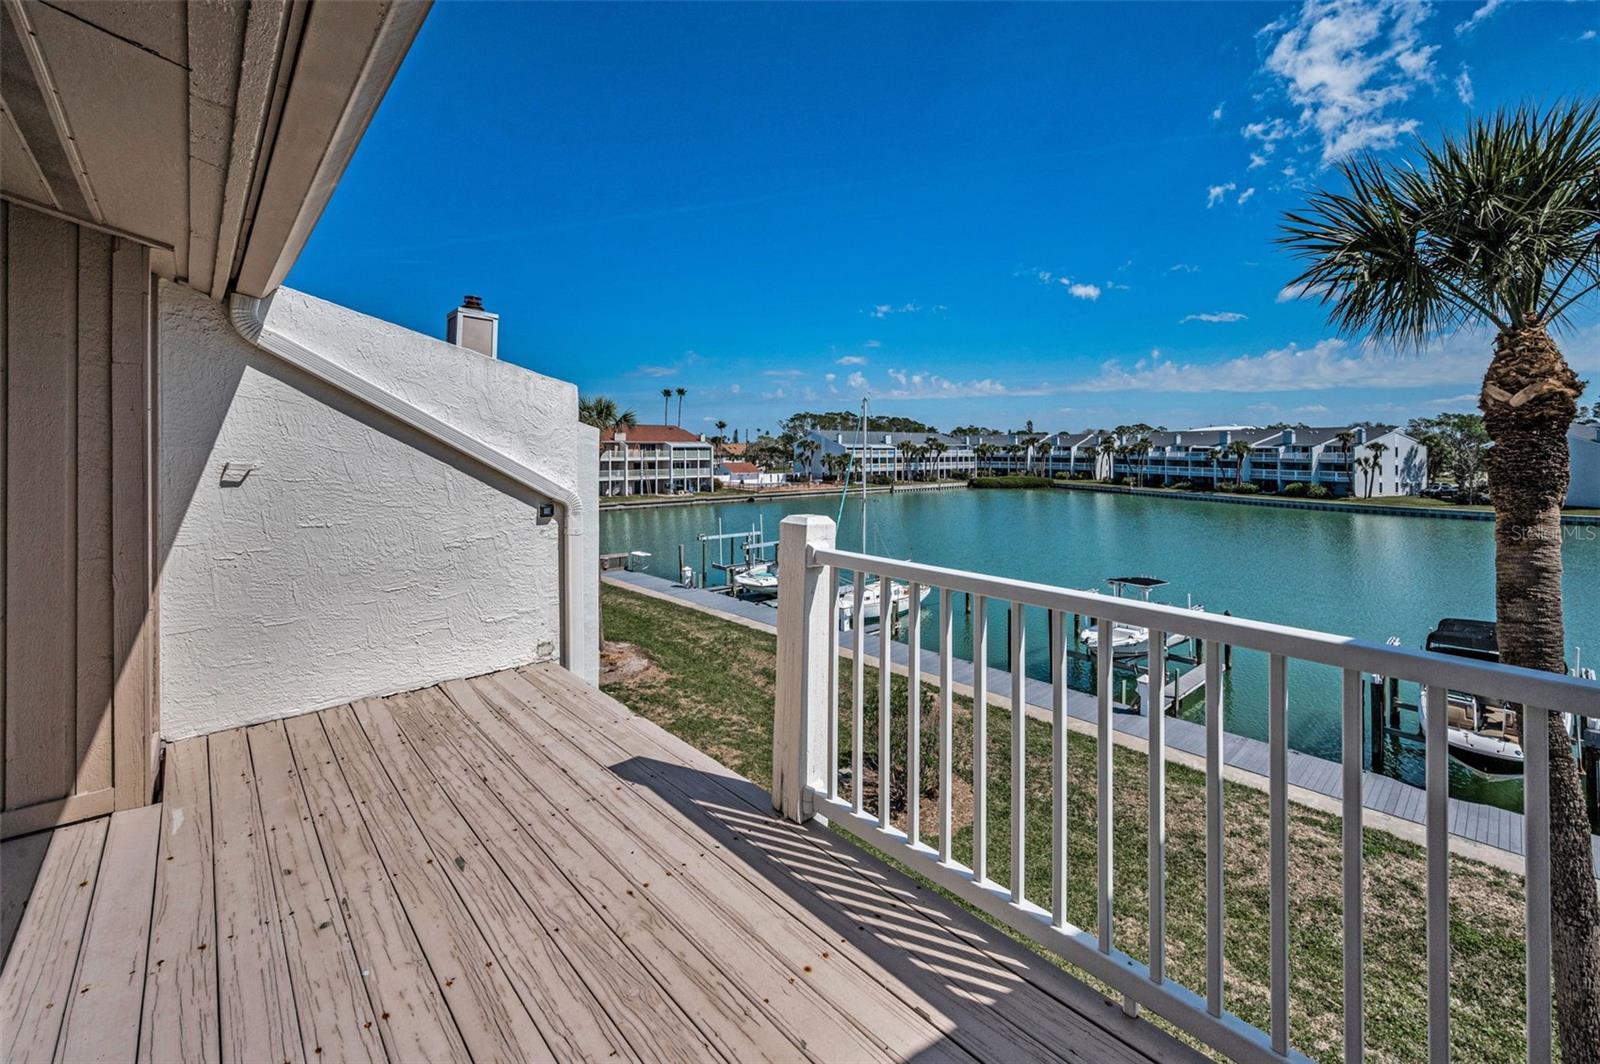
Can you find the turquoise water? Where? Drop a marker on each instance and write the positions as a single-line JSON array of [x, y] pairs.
[[1365, 575]]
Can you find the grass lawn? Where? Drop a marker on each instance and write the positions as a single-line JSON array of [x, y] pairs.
[[711, 683]]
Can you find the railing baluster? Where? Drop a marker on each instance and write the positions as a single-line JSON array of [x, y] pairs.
[[1278, 836], [858, 694], [914, 716], [1157, 797], [1104, 812], [1019, 750], [830, 580], [1058, 768], [946, 716], [1536, 868], [886, 618], [1214, 835], [980, 738], [1354, 1035], [1437, 778]]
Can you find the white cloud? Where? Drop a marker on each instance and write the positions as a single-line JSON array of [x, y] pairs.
[[1464, 85], [908, 385], [1257, 160], [734, 387], [776, 393], [783, 374], [1588, 35], [1110, 286], [1216, 113], [1182, 267], [1311, 408], [1244, 197], [883, 310], [852, 360], [873, 343], [1459, 359], [1489, 7], [856, 382], [1216, 316], [1456, 400], [830, 377], [1291, 292], [657, 371], [1217, 193], [1090, 292], [1347, 64]]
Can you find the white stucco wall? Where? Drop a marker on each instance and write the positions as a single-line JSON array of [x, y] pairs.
[[356, 557]]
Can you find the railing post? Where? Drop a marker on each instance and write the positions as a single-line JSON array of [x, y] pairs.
[[800, 724]]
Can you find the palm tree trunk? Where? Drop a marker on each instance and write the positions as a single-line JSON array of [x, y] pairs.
[[1528, 474]]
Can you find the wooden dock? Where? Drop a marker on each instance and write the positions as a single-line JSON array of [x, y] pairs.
[[512, 867], [1486, 825]]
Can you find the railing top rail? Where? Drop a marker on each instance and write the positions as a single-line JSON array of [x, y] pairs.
[[1510, 683]]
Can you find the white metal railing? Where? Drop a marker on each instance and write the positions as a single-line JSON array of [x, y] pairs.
[[806, 784]]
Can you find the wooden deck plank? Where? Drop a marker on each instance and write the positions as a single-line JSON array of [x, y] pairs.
[[431, 995], [22, 859], [179, 1022], [39, 971], [337, 1019], [102, 1020], [569, 981], [868, 891], [496, 1022], [790, 934], [725, 1009], [256, 1007]]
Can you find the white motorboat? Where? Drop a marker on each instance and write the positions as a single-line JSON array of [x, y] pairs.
[[871, 602], [1130, 640], [758, 581], [1479, 730]]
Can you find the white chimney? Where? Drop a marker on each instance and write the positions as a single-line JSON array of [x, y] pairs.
[[474, 328]]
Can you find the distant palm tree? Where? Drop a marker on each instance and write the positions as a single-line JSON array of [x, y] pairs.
[[1108, 450], [1043, 451], [1375, 466], [808, 449], [1499, 226], [1239, 450], [1141, 448], [1364, 465], [1214, 454], [681, 393], [666, 403]]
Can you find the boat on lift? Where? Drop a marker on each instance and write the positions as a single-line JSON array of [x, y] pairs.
[[758, 581], [1481, 731], [1131, 640], [872, 601]]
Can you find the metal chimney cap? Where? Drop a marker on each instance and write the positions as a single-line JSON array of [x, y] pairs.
[[472, 302]]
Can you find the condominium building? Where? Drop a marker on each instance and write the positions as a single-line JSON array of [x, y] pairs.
[[654, 460], [888, 455], [1354, 460]]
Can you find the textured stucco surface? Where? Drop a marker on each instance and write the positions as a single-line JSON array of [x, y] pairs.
[[354, 558]]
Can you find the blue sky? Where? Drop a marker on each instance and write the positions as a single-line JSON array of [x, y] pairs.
[[987, 214]]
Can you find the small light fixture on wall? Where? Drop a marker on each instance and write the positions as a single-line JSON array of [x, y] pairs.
[[234, 474]]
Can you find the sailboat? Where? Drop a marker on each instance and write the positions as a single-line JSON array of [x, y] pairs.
[[872, 610]]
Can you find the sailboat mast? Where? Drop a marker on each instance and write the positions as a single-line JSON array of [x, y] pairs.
[[863, 474]]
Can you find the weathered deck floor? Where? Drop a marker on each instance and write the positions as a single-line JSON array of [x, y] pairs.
[[508, 868]]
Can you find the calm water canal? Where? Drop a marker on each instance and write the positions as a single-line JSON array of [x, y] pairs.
[[1366, 575]]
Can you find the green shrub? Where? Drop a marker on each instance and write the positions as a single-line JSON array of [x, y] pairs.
[[1247, 488], [1318, 491], [1009, 482], [1227, 486], [1182, 485], [1295, 489]]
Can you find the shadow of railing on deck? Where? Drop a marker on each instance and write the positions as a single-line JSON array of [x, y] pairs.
[[994, 997]]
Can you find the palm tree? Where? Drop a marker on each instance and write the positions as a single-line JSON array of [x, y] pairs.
[[1364, 466], [1142, 449], [903, 468], [1497, 227], [1044, 449], [1239, 450], [1108, 449], [681, 393], [808, 449], [1215, 455], [1375, 466], [666, 403]]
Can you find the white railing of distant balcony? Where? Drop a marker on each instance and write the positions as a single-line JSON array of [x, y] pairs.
[[806, 784]]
